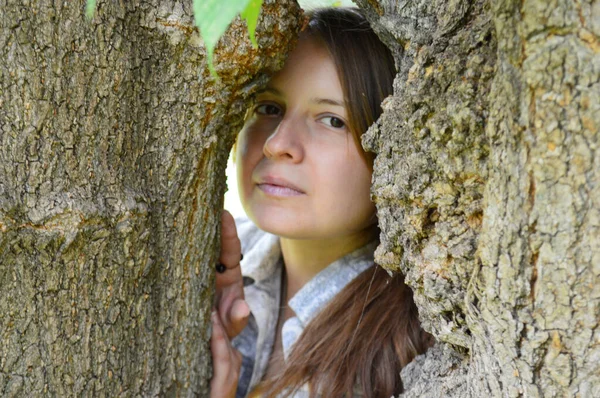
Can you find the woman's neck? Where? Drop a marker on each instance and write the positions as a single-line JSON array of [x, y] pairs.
[[305, 258]]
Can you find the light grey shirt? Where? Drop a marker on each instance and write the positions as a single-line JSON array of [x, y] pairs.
[[262, 268]]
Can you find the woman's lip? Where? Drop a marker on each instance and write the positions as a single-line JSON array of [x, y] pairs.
[[279, 182], [278, 190]]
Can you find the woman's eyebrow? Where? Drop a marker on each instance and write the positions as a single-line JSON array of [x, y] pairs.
[[328, 101], [270, 89], [319, 101]]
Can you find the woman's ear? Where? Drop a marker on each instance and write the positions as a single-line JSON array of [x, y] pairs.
[[247, 114], [234, 149]]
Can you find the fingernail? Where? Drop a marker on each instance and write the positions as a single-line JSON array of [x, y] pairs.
[[215, 322], [245, 310], [241, 257], [216, 327]]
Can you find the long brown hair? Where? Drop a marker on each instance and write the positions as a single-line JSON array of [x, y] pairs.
[[370, 330], [364, 64]]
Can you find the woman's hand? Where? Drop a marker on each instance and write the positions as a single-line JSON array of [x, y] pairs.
[[231, 314], [227, 362]]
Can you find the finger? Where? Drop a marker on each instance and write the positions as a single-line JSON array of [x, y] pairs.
[[230, 243], [230, 257], [221, 353], [227, 362], [218, 336], [229, 285], [233, 312], [238, 318], [218, 341]]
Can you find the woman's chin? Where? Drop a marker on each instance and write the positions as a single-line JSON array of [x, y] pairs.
[[278, 223], [271, 226]]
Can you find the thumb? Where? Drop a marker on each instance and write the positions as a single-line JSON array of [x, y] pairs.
[[240, 311]]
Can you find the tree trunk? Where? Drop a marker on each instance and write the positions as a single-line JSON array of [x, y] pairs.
[[487, 184], [113, 145]]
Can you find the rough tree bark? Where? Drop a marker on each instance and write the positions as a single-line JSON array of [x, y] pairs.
[[113, 146], [487, 184]]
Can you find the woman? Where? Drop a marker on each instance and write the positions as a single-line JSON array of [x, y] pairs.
[[309, 312]]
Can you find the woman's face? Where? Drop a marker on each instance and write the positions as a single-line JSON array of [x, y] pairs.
[[300, 173]]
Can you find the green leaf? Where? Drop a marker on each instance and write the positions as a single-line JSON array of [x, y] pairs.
[[90, 8], [214, 16], [250, 14]]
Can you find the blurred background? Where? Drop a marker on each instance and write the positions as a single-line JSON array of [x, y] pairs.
[[232, 199]]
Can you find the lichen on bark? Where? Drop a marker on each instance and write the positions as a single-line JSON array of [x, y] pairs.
[[431, 156]]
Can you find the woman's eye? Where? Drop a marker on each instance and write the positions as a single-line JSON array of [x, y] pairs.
[[334, 122], [268, 110]]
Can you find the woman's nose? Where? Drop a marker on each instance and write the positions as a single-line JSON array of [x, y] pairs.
[[285, 143]]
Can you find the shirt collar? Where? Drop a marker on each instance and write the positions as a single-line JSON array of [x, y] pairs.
[[261, 250], [262, 254], [319, 291]]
